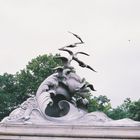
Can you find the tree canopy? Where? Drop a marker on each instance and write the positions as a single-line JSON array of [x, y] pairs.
[[100, 103], [129, 109]]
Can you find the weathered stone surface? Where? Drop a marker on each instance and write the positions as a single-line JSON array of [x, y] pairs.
[[67, 132]]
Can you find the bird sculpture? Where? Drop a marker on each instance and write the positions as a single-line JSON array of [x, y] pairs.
[[82, 64], [81, 41], [73, 56], [75, 44]]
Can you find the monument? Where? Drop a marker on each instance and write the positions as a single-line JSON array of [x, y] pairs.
[[58, 109]]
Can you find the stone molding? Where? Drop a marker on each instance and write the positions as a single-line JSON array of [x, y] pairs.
[[22, 132]]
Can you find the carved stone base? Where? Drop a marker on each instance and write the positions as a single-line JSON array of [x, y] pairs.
[[28, 122], [67, 132], [30, 113]]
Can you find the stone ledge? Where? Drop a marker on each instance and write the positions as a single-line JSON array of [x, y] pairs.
[[66, 132]]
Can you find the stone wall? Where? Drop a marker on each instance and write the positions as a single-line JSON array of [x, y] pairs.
[[67, 132]]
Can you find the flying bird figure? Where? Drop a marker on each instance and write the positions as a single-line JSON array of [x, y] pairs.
[[89, 86], [71, 53], [82, 64], [81, 41], [75, 44], [74, 57]]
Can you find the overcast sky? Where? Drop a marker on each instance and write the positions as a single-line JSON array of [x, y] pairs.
[[109, 28]]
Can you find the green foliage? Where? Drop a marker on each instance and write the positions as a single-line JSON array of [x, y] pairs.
[[101, 103], [121, 111], [129, 109], [8, 94], [134, 110], [14, 89]]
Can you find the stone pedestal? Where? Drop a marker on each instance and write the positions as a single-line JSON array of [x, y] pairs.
[[67, 132]]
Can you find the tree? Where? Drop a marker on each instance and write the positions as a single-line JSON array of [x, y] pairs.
[[14, 89], [121, 111], [129, 109], [101, 103], [8, 94], [134, 110]]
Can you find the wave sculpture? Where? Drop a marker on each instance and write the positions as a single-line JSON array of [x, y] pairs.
[[61, 98]]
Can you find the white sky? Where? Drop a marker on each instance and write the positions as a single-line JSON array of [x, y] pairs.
[[29, 28]]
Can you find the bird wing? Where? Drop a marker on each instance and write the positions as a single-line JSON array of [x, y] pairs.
[[71, 46], [69, 51], [89, 67], [75, 44], [91, 87], [82, 53], [58, 69], [77, 37], [81, 63]]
